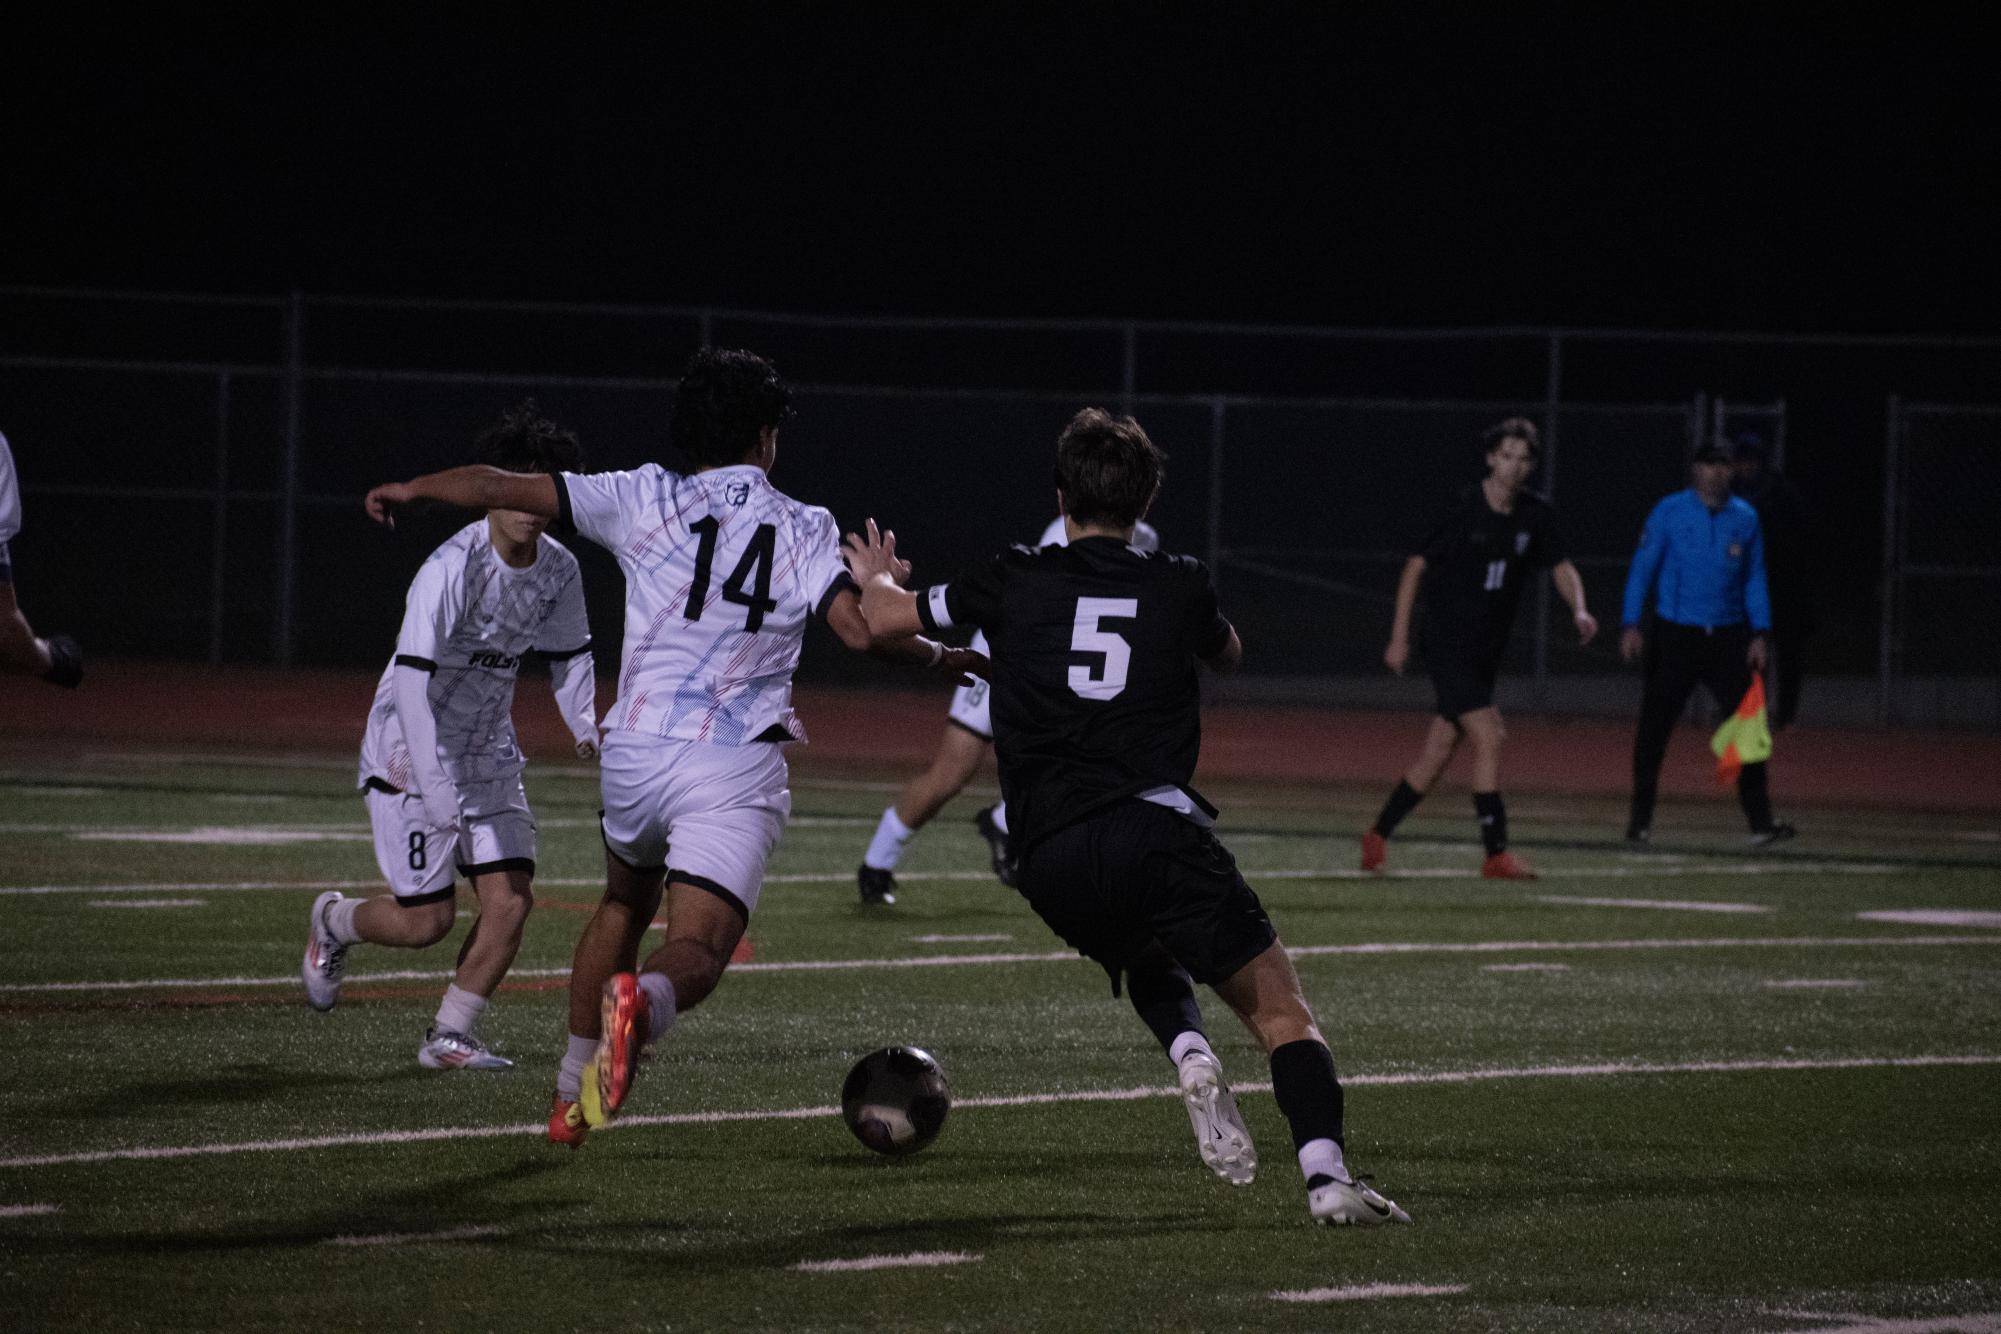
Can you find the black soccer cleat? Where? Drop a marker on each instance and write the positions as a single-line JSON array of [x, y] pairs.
[[999, 845], [1639, 835], [1778, 833], [65, 662], [877, 886]]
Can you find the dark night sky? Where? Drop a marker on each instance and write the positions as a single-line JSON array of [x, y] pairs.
[[1353, 164]]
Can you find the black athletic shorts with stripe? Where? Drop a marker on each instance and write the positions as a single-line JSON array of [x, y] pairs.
[[1136, 873]]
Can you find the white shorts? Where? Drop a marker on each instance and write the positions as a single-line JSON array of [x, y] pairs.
[[496, 833], [708, 815], [969, 703]]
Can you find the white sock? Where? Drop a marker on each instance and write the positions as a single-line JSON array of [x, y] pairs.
[[659, 1002], [885, 850], [1000, 817], [1177, 1051], [570, 1074], [459, 1010], [340, 920], [1322, 1157]]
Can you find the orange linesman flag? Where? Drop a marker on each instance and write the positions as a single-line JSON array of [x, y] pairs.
[[1745, 737]]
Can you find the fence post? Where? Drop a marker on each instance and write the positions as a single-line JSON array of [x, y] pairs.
[[1129, 371], [1779, 438], [218, 556], [1552, 397], [288, 481], [705, 327], [1887, 628], [1216, 408]]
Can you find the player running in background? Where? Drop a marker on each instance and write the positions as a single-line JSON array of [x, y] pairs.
[[57, 658], [969, 731], [722, 572], [1473, 565], [440, 768], [1097, 725]]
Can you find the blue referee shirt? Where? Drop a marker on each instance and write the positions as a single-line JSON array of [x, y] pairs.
[[1704, 567]]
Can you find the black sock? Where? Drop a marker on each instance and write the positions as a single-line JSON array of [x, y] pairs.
[[1163, 995], [1401, 803], [1493, 821], [1755, 797], [1308, 1091]]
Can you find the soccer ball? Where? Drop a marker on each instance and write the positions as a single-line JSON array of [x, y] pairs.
[[895, 1100]]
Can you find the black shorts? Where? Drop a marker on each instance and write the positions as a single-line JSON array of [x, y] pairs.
[[6, 569], [1462, 676], [1137, 873]]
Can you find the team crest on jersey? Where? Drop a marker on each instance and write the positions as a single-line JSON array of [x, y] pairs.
[[1735, 551], [737, 492], [1521, 543]]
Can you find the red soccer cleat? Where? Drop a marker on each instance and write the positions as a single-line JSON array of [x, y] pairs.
[[1506, 866], [566, 1123], [626, 1030], [1375, 851]]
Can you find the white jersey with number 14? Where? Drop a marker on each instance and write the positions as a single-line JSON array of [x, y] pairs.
[[722, 571]]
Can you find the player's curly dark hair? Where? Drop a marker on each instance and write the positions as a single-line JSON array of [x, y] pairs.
[[521, 439], [1107, 469], [1514, 428], [725, 399]]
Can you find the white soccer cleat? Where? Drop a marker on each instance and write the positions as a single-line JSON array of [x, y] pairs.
[[1220, 1132], [1339, 1203], [326, 958], [447, 1050]]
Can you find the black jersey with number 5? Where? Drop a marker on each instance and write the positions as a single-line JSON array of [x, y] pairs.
[[1094, 649], [1476, 561]]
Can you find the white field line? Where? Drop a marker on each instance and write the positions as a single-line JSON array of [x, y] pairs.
[[1675, 905], [28, 1210], [470, 1233], [973, 938], [147, 903], [1066, 956], [846, 879], [1815, 983], [1363, 1292], [225, 836], [1933, 917], [915, 1259], [1850, 1322], [1526, 968], [437, 1133]]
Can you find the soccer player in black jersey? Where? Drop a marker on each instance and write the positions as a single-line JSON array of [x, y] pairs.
[[1473, 565], [1096, 713]]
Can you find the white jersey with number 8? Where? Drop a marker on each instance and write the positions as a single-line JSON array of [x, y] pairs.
[[722, 571]]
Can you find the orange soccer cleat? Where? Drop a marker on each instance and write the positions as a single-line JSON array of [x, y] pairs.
[[608, 1077], [1375, 851], [1506, 866]]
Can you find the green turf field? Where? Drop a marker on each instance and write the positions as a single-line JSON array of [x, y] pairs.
[[1745, 1107]]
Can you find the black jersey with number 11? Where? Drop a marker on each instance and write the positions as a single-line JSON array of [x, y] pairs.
[[1476, 563], [1095, 697]]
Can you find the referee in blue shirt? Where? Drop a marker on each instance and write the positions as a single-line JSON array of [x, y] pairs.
[[1702, 561]]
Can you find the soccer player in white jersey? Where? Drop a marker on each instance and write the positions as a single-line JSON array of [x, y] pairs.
[[56, 658], [969, 735], [440, 767], [722, 572]]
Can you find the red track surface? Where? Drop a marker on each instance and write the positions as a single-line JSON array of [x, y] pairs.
[[165, 704]]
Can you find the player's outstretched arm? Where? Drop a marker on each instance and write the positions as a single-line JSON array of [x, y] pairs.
[[1570, 587], [889, 609], [474, 486], [845, 619], [1397, 655]]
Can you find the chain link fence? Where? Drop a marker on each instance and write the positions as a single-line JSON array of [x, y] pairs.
[[192, 467]]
